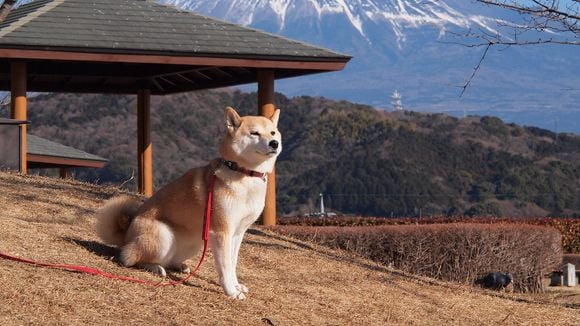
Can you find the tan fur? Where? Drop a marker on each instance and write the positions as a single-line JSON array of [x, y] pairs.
[[114, 218], [167, 228]]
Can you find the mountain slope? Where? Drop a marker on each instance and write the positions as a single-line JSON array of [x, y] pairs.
[[364, 161], [416, 47]]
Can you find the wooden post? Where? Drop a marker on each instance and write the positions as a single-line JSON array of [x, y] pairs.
[[266, 108], [65, 173], [18, 105], [144, 146]]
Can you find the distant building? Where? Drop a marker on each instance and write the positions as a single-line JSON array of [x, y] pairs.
[[46, 154], [41, 153]]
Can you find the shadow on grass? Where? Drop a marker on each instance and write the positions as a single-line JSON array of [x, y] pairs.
[[354, 259], [112, 254], [97, 248], [275, 245]]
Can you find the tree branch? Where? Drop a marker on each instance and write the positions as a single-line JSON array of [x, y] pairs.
[[476, 69], [558, 22]]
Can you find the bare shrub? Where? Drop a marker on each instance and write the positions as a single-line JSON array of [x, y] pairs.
[[568, 227], [459, 252]]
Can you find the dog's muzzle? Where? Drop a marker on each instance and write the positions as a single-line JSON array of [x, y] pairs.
[[274, 144]]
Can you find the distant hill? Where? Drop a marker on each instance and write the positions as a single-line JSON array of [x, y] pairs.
[[419, 48], [364, 161]]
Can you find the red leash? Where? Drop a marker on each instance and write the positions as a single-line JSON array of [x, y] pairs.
[[94, 271]]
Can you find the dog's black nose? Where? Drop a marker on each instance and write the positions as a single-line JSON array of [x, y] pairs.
[[274, 144]]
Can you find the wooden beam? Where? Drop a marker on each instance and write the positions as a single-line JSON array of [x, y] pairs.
[[144, 146], [131, 88], [18, 105], [47, 160], [323, 64], [266, 108]]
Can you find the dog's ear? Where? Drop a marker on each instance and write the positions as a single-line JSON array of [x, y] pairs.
[[274, 118], [233, 120]]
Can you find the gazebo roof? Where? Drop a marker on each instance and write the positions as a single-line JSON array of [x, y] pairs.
[[41, 150], [120, 46]]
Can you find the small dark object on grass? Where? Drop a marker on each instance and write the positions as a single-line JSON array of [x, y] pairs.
[[496, 281]]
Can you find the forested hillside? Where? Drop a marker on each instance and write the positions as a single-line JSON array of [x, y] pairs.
[[364, 161]]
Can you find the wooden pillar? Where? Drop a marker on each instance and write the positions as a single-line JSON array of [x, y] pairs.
[[65, 173], [144, 146], [266, 108], [18, 105]]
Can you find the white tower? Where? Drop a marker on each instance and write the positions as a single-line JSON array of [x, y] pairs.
[[321, 205], [396, 101]]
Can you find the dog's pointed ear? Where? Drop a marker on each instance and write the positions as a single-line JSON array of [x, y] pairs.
[[275, 117], [233, 120]]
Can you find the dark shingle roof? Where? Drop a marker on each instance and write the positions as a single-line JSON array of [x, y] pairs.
[[45, 147], [123, 46], [139, 26], [4, 121]]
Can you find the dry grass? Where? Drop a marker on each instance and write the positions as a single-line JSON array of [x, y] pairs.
[[291, 282]]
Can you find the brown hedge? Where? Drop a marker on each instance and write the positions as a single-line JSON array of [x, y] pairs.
[[459, 252], [567, 226]]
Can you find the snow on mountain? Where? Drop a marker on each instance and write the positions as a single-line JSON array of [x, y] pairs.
[[399, 15], [413, 46]]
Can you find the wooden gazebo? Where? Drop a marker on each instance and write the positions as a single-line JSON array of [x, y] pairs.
[[143, 48], [43, 153]]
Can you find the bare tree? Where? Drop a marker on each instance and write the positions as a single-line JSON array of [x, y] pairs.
[[5, 8], [542, 22]]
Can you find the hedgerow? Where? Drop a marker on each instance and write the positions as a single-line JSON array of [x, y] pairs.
[[459, 252], [568, 227]]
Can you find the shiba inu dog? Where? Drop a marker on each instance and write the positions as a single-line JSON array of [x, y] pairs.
[[166, 229]]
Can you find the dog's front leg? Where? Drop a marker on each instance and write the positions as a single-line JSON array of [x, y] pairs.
[[223, 247], [237, 242]]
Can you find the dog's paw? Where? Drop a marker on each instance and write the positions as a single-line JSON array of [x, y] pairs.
[[155, 269], [242, 288], [238, 295], [235, 292], [185, 269], [180, 267]]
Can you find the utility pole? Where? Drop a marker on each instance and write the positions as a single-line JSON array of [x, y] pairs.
[[556, 132], [396, 101]]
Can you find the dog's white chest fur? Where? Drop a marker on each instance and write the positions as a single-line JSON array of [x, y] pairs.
[[242, 198]]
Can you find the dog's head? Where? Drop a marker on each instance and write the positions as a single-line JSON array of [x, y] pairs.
[[253, 142]]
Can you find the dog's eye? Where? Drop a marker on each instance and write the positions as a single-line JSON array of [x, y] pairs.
[[255, 133], [272, 133]]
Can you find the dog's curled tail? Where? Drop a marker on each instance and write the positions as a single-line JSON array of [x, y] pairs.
[[114, 218]]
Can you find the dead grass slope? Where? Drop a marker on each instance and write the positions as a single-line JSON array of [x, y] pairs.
[[291, 282]]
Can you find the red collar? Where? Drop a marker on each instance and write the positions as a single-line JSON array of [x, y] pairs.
[[235, 167]]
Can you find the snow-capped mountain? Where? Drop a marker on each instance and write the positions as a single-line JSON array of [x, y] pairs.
[[280, 15], [415, 47]]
